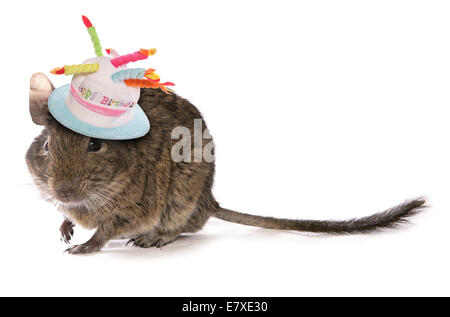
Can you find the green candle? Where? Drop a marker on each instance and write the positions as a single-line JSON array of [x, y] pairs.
[[94, 37]]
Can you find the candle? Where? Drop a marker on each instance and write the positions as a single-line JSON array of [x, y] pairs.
[[112, 52], [146, 83], [93, 34], [150, 74], [132, 73], [142, 83], [133, 57], [75, 69]]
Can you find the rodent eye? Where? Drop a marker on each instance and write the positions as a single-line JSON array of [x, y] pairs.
[[94, 145], [46, 147]]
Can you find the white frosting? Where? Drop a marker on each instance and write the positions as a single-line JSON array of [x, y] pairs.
[[99, 90]]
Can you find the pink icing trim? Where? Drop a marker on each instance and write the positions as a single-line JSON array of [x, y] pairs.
[[101, 110]]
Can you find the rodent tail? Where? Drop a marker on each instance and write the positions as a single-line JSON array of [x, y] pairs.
[[387, 219]]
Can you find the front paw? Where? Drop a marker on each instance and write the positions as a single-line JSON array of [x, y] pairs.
[[66, 236], [66, 230], [83, 249]]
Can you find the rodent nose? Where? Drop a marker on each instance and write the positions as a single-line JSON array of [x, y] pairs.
[[65, 195], [65, 191]]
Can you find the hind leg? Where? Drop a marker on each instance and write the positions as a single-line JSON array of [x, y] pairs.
[[161, 236], [172, 225], [154, 238]]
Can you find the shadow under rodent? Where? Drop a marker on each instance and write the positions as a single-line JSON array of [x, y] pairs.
[[134, 188]]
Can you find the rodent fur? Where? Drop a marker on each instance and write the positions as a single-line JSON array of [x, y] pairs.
[[133, 188]]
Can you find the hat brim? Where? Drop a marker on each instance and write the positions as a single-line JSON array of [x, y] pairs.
[[136, 128]]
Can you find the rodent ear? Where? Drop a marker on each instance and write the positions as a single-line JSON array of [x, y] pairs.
[[40, 89]]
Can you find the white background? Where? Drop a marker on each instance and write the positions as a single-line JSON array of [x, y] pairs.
[[319, 109]]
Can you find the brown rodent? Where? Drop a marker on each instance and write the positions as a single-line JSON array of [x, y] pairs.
[[133, 188]]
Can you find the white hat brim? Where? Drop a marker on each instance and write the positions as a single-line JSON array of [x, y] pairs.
[[136, 128]]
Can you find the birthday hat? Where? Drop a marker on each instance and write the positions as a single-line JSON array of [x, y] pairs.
[[101, 100]]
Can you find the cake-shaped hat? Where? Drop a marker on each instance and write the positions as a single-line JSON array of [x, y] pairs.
[[101, 100]]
